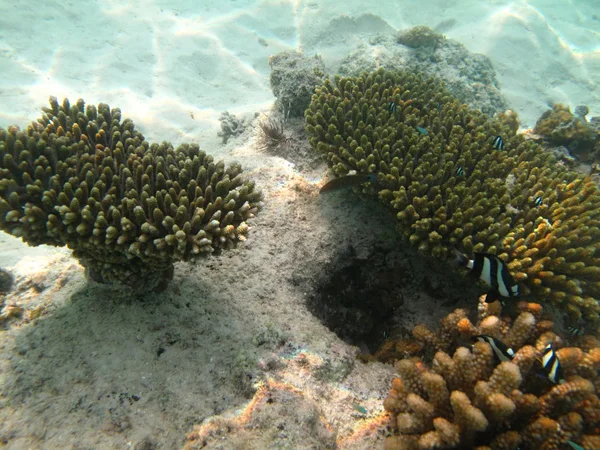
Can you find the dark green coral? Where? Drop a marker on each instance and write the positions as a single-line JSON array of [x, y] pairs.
[[81, 177], [550, 248]]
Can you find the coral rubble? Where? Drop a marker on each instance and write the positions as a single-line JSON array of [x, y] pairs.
[[438, 170], [83, 178], [463, 398]]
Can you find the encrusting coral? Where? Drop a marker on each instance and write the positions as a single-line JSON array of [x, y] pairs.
[[81, 177], [464, 398], [420, 36], [559, 126], [436, 166]]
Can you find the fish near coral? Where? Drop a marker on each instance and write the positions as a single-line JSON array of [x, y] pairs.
[[551, 367], [502, 352], [498, 143], [548, 248], [347, 181], [492, 271]]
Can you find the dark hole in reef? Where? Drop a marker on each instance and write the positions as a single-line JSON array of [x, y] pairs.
[[361, 298], [358, 299]]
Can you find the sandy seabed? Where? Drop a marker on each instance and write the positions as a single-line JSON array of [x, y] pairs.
[[230, 356]]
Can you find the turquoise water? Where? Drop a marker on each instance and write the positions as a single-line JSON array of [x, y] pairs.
[[160, 61]]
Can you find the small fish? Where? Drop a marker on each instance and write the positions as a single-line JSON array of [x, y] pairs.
[[538, 201], [359, 408], [502, 352], [551, 367], [595, 168], [575, 446], [498, 143], [348, 180], [576, 331], [492, 271], [460, 172], [422, 130], [392, 107]]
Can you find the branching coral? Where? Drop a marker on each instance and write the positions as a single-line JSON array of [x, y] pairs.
[[463, 398], [491, 204], [81, 177]]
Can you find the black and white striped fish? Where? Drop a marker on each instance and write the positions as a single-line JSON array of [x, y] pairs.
[[551, 367], [460, 172], [538, 201], [576, 331], [498, 143], [392, 107], [502, 352], [491, 270]]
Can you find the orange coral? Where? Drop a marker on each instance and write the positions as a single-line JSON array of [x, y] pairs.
[[469, 400]]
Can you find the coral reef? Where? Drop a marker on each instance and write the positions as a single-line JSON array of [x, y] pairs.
[[420, 36], [559, 126], [293, 81], [83, 178], [231, 126], [509, 119], [470, 77], [463, 398], [491, 204]]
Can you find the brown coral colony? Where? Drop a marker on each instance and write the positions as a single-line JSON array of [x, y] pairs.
[[82, 177], [464, 398], [438, 167]]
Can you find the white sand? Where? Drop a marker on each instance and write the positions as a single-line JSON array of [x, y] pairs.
[[67, 379]]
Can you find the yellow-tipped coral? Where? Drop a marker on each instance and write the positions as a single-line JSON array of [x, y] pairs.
[[81, 177], [470, 400], [436, 166]]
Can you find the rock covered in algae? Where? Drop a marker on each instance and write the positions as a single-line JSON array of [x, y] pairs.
[[437, 169], [559, 126], [293, 80], [82, 177], [420, 36], [470, 77]]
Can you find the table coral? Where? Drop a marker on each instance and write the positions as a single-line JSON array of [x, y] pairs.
[[84, 178], [462, 398], [536, 215]]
